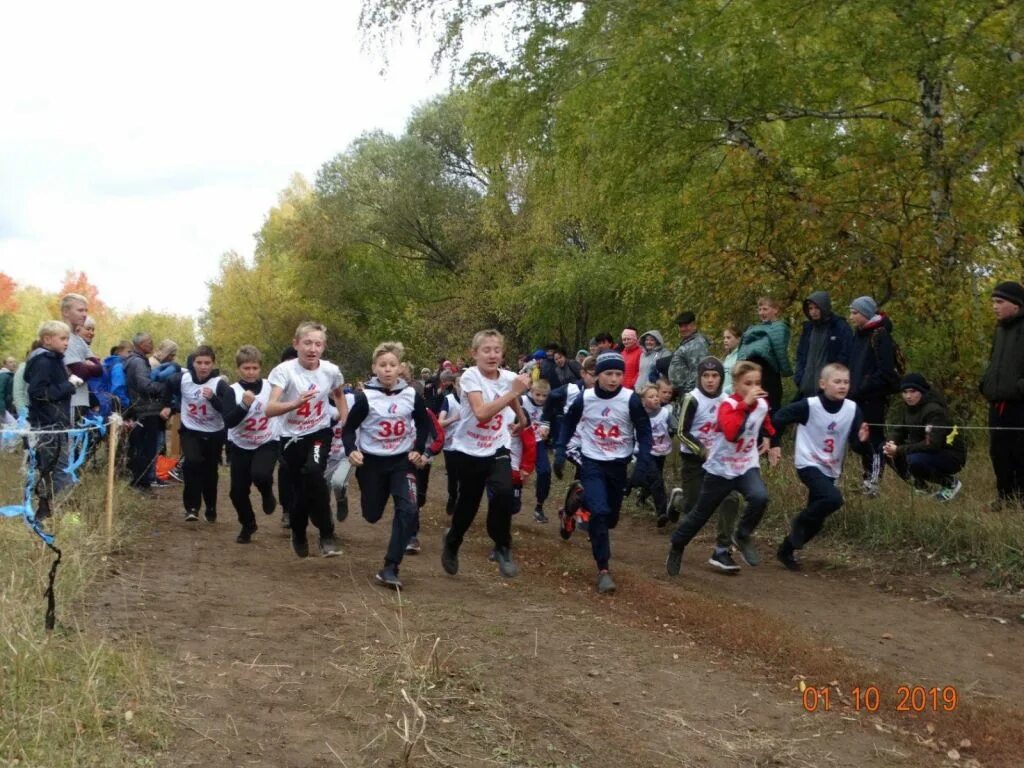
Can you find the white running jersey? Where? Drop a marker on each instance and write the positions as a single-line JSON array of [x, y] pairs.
[[729, 459], [661, 440], [821, 442], [256, 428], [198, 413], [483, 438], [705, 421], [572, 391], [606, 429], [451, 408], [293, 380], [337, 446], [388, 428]]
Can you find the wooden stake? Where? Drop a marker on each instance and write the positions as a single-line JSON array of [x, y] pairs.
[[113, 434]]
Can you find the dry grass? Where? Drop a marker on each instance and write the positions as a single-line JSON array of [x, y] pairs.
[[69, 698]]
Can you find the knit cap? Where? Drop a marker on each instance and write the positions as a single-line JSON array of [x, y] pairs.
[[610, 361], [914, 381], [711, 364], [1011, 291], [865, 305]]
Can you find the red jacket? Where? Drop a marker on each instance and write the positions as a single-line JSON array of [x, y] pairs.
[[632, 358], [732, 415], [528, 461]]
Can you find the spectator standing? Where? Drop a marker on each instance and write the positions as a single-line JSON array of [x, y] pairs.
[[560, 370], [79, 359], [631, 354], [653, 346], [1003, 386], [7, 387], [146, 396], [873, 378], [825, 338], [767, 344], [693, 347]]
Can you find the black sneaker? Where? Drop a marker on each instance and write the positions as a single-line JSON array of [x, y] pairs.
[[787, 556], [269, 504], [286, 520], [413, 547], [300, 544], [388, 577], [210, 515], [722, 560], [191, 515], [245, 535], [674, 561], [566, 524], [341, 513], [662, 520], [605, 583], [506, 567], [539, 516], [675, 503], [43, 509], [748, 552], [329, 547], [449, 556], [449, 508]]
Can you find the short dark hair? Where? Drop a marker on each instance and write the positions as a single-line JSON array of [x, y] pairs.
[[204, 350], [605, 337], [685, 318]]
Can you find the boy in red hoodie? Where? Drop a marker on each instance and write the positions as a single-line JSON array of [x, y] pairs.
[[733, 464]]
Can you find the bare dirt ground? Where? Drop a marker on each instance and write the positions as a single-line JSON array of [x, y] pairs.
[[276, 661]]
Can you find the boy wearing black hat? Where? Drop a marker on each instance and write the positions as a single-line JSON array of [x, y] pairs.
[[697, 434], [924, 447], [611, 420], [1003, 387]]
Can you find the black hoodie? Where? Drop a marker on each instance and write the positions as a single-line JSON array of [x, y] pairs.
[[49, 391]]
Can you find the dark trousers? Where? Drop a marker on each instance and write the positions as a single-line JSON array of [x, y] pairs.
[[51, 450], [713, 491], [823, 498], [692, 472], [305, 461], [927, 466], [202, 452], [872, 462], [1006, 447], [249, 468], [604, 485], [450, 467], [394, 476], [142, 447], [422, 484], [285, 492], [543, 472], [475, 474], [771, 382], [653, 486]]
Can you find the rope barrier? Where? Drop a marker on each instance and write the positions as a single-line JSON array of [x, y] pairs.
[[78, 449]]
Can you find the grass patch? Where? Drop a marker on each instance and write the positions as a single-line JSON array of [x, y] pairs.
[[70, 697]]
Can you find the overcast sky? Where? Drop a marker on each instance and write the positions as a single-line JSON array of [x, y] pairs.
[[139, 142]]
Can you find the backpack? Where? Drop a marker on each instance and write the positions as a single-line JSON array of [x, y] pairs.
[[899, 361], [114, 380]]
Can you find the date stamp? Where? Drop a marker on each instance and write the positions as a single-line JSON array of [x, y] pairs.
[[910, 699]]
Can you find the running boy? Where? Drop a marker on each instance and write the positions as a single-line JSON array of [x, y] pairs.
[[533, 405], [490, 403], [447, 418], [698, 434], [300, 391], [828, 422], [254, 441], [384, 435], [205, 397], [611, 419], [661, 446], [50, 390], [733, 465]]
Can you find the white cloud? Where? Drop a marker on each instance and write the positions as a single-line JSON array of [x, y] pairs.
[[140, 142]]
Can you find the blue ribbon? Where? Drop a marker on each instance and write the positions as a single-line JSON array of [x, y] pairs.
[[25, 510]]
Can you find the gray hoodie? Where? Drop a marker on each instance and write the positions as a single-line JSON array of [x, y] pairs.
[[650, 357]]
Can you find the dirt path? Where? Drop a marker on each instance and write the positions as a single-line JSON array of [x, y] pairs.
[[280, 662]]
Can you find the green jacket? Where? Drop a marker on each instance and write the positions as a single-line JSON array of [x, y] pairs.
[[768, 343]]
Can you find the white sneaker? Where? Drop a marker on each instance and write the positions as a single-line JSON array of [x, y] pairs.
[[950, 491], [869, 488]]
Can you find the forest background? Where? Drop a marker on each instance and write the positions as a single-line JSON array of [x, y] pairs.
[[621, 161]]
